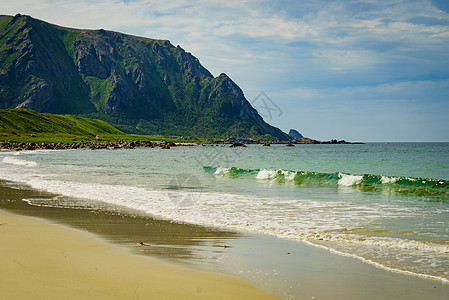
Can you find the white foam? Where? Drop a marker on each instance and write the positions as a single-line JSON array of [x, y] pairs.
[[233, 211], [273, 216], [288, 175], [379, 265], [19, 162], [266, 174], [221, 171], [271, 174], [37, 151], [349, 180], [385, 179], [386, 242]]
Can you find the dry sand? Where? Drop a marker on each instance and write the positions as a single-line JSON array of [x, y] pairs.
[[41, 260]]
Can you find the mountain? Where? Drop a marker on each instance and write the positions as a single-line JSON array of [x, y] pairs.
[[139, 85]]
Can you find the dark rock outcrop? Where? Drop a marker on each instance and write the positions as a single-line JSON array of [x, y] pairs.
[[120, 98], [38, 98], [295, 134], [19, 146], [237, 144]]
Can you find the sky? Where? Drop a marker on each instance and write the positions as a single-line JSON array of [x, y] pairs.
[[358, 70]]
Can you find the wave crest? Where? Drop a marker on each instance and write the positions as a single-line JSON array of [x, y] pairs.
[[20, 162], [417, 186]]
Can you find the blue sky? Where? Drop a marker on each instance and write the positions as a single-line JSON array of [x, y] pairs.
[[360, 70]]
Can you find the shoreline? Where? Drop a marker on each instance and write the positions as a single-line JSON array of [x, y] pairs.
[[11, 145], [287, 268], [49, 259]]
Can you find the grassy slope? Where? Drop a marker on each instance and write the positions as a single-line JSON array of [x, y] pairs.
[[29, 126]]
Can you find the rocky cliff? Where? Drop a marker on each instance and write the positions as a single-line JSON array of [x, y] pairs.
[[138, 84], [295, 134]]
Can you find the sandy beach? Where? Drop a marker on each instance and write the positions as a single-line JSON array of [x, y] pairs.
[[43, 257], [42, 260]]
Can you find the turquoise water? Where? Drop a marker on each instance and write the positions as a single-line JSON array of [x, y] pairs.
[[386, 204]]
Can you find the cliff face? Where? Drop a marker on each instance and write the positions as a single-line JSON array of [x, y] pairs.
[[295, 134], [35, 70], [139, 85]]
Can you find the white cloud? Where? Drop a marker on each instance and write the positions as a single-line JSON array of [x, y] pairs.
[[407, 90], [339, 60], [356, 51]]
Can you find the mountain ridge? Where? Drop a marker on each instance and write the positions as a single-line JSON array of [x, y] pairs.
[[140, 85]]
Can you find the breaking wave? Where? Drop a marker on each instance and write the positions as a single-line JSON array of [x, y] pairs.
[[416, 186], [20, 162]]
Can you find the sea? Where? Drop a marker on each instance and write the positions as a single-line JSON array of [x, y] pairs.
[[386, 204]]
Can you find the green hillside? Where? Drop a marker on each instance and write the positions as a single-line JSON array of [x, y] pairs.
[[29, 126]]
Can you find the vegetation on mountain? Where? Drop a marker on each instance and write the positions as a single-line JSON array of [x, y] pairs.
[[139, 85], [29, 126]]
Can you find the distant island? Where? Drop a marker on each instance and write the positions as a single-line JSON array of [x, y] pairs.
[[295, 134]]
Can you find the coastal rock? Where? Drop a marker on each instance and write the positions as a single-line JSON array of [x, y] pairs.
[[167, 145], [233, 145], [295, 134], [19, 146]]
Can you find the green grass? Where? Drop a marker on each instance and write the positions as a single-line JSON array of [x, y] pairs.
[[25, 125], [68, 37], [99, 90]]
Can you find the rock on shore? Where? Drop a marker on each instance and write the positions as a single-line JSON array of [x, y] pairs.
[[18, 146]]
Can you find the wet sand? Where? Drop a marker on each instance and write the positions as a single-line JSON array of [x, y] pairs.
[[290, 269], [41, 260]]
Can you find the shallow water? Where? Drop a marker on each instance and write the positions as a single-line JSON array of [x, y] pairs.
[[285, 267], [385, 204]]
